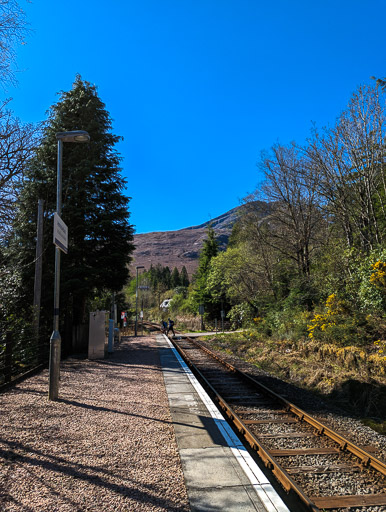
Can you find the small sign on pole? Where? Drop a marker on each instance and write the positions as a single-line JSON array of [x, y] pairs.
[[60, 233]]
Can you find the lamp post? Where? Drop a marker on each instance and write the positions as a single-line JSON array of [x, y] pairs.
[[136, 301], [55, 341]]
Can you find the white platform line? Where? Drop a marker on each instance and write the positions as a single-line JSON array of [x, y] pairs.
[[263, 488]]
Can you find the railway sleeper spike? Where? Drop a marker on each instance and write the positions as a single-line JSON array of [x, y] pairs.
[[365, 462]]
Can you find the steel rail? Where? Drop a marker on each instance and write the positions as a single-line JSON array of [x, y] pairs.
[[270, 463], [344, 444], [313, 503]]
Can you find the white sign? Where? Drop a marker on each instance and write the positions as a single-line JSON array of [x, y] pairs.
[[60, 234]]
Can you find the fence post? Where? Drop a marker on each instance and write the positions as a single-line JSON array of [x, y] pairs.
[[8, 356]]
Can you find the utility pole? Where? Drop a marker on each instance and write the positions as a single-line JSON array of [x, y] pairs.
[[38, 269], [142, 313], [136, 301], [56, 340]]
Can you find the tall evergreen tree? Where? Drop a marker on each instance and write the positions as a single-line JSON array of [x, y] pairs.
[[209, 251], [184, 278], [94, 207], [175, 278], [166, 277]]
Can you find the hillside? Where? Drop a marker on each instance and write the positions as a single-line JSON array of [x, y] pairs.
[[181, 248]]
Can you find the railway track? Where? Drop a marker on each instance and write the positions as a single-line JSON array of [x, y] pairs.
[[324, 469]]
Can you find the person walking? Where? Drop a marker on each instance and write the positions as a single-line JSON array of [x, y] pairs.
[[164, 326], [170, 327]]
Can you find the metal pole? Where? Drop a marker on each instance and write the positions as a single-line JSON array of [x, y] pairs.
[[136, 305], [136, 301], [142, 313], [222, 316], [55, 341], [38, 268]]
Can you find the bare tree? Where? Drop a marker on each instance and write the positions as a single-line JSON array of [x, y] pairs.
[[17, 142], [251, 232], [348, 164], [12, 30], [294, 223]]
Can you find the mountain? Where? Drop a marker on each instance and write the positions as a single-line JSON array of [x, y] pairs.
[[181, 248]]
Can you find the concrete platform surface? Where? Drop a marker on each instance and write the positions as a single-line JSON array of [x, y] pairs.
[[219, 473]]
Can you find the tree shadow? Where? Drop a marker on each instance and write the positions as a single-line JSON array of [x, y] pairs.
[[79, 472]]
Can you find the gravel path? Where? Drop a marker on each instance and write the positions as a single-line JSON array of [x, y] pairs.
[[107, 445]]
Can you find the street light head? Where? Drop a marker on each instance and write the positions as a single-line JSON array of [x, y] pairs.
[[140, 266], [74, 136]]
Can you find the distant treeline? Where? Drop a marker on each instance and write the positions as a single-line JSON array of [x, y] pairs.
[[161, 278]]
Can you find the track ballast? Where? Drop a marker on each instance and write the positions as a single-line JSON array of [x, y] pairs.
[[324, 469]]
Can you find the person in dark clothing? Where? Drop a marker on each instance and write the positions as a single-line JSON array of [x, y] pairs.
[[164, 326], [170, 327]]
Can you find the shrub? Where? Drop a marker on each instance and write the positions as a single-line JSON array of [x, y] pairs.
[[241, 315], [378, 275], [338, 325]]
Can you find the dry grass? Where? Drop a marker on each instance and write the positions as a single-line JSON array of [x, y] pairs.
[[348, 375]]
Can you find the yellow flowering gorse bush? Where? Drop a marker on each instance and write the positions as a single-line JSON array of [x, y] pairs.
[[378, 276], [324, 320], [381, 346]]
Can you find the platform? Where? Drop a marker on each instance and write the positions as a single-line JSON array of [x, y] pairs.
[[220, 474]]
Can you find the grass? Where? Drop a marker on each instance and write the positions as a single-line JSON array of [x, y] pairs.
[[378, 426]]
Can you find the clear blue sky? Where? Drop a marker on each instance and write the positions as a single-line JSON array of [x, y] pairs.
[[198, 88]]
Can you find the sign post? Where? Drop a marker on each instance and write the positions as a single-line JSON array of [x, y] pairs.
[[60, 241], [201, 311], [60, 234]]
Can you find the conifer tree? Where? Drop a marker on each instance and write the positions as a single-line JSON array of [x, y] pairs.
[[94, 207], [209, 251], [184, 278], [175, 279], [166, 277]]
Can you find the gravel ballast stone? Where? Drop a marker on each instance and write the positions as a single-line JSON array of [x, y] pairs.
[[107, 444]]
